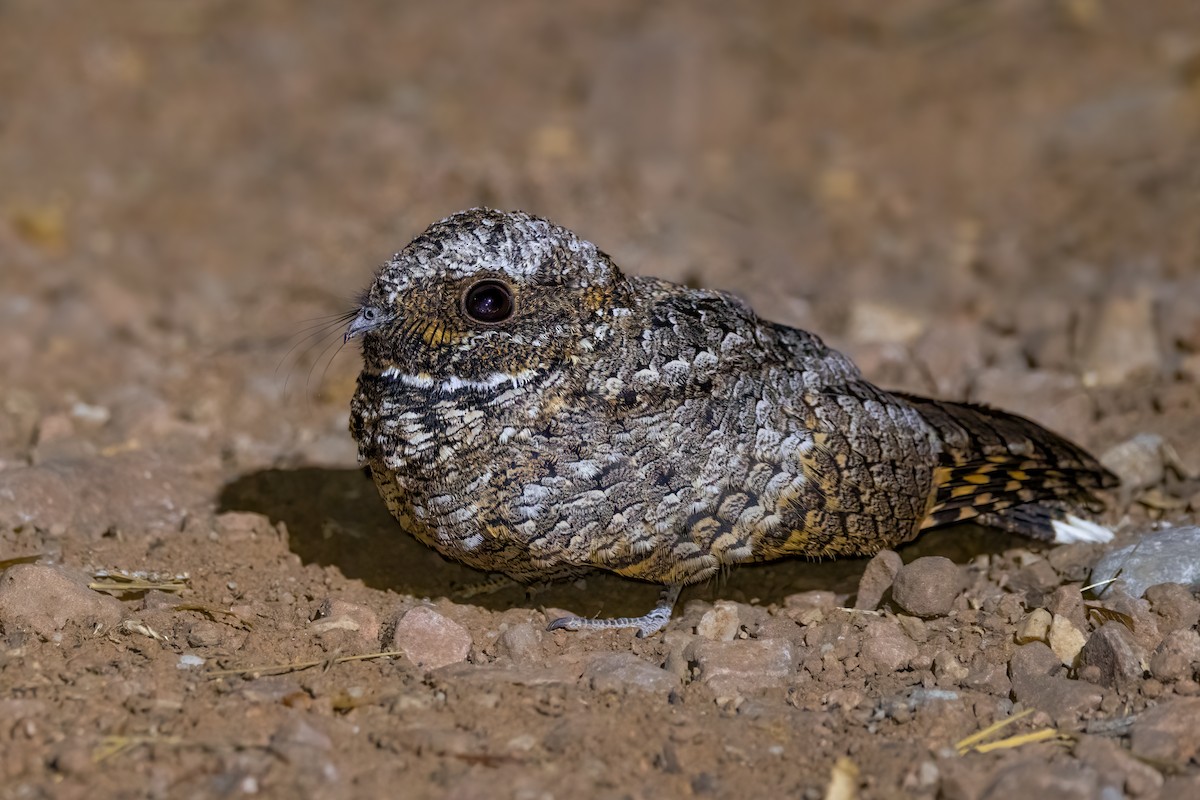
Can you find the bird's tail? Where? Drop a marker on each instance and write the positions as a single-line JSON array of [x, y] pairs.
[[1005, 471]]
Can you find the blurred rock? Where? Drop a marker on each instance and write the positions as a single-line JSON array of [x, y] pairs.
[[885, 648], [1112, 649], [621, 672], [522, 642], [1124, 343], [731, 668], [334, 614], [1140, 462], [1168, 734], [1067, 781], [1038, 681], [877, 579], [1065, 640], [1057, 400], [1174, 605], [429, 639], [1177, 656], [1165, 556], [928, 586], [1035, 627], [721, 622], [872, 322], [45, 599]]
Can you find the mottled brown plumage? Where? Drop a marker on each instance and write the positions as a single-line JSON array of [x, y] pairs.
[[528, 409]]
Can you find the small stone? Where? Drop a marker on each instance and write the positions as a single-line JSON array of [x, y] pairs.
[[1038, 682], [928, 586], [877, 579], [1125, 342], [1165, 556], [872, 322], [1116, 767], [1177, 657], [1065, 781], [1065, 640], [1167, 734], [44, 599], [1113, 650], [622, 672], [522, 642], [948, 670], [817, 598], [429, 639], [721, 622], [886, 648], [1067, 601], [1140, 462], [731, 668], [334, 614], [1174, 605], [1035, 627], [204, 633]]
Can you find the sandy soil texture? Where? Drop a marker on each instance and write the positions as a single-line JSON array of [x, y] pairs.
[[997, 202]]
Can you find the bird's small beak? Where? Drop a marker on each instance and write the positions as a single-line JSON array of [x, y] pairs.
[[359, 325]]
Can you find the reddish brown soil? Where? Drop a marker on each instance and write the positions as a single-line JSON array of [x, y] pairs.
[[986, 201]]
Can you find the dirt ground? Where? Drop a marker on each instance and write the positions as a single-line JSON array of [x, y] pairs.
[[989, 201]]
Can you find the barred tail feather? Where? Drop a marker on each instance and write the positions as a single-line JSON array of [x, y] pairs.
[[1005, 471]]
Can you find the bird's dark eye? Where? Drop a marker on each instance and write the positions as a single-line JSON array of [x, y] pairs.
[[488, 302], [369, 314]]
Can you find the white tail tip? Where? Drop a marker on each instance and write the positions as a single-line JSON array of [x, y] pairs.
[[1074, 529]]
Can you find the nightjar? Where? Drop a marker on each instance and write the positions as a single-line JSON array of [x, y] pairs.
[[528, 409]]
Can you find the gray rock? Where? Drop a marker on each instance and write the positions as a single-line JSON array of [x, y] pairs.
[[730, 668], [928, 586], [522, 642], [1116, 654], [1038, 681], [1061, 781], [622, 672], [45, 599], [1166, 556], [1124, 343], [1168, 734], [877, 579], [429, 639]]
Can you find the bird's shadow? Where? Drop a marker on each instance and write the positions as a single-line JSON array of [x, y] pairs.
[[335, 518]]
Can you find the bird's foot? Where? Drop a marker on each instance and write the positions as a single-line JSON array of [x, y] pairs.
[[647, 624], [489, 585]]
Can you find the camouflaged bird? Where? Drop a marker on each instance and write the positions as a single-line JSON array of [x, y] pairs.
[[527, 409]]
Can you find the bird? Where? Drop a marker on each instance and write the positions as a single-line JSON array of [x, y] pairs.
[[528, 409]]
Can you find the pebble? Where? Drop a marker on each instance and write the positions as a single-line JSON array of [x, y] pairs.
[[621, 672], [44, 599], [1062, 781], [1038, 682], [429, 639], [721, 622], [1165, 556], [1140, 462], [1125, 342], [1168, 734], [1065, 640], [886, 648], [522, 642], [1055, 399], [334, 614], [1177, 657], [732, 668], [1174, 605], [877, 579], [1035, 627], [928, 586], [1112, 649]]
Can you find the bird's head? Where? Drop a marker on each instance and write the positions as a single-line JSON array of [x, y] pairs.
[[484, 298]]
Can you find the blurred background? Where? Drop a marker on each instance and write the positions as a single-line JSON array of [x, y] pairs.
[[986, 200]]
